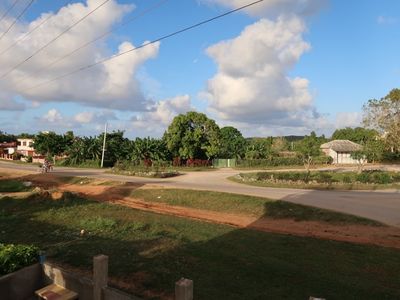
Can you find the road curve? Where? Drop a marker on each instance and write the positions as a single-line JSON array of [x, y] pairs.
[[383, 206]]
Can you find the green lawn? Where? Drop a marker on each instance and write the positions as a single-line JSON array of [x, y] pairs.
[[10, 186], [224, 262], [246, 205]]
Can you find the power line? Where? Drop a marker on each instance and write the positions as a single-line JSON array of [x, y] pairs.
[[53, 40], [145, 44], [29, 32], [17, 18], [56, 61], [8, 10]]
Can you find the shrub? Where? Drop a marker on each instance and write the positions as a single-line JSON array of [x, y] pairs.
[[347, 179], [15, 257], [363, 177], [382, 178]]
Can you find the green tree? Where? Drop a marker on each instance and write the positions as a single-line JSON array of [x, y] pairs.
[[232, 143], [259, 148], [5, 137], [361, 158], [193, 135], [384, 116], [279, 144], [358, 135], [49, 143], [308, 148]]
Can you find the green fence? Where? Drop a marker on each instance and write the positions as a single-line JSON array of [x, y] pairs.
[[224, 163]]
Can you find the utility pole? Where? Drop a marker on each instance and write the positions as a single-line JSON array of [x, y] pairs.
[[104, 145]]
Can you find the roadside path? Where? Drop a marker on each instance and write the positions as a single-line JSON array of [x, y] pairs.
[[383, 206]]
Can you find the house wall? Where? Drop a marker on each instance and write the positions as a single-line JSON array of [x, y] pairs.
[[25, 147], [341, 157]]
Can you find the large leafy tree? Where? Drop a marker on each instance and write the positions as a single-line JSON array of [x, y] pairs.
[[49, 143], [193, 135], [357, 135], [384, 116], [232, 144], [117, 147]]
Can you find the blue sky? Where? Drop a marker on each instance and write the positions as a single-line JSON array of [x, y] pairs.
[[279, 69]]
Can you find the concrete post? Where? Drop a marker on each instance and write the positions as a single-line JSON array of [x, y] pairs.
[[100, 275], [184, 289]]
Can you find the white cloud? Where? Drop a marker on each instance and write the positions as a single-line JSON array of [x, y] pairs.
[[348, 119], [52, 116], [161, 114], [84, 117], [274, 8], [252, 83], [111, 84]]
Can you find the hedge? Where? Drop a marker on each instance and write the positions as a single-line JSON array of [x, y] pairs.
[[15, 257]]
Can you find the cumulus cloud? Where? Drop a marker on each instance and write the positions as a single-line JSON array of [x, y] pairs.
[[252, 83], [162, 113], [111, 84], [274, 8]]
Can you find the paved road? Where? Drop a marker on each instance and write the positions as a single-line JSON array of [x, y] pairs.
[[382, 206]]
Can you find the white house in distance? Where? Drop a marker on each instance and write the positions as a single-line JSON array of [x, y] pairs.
[[340, 151], [25, 147]]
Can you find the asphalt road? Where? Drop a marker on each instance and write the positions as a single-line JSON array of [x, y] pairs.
[[383, 206]]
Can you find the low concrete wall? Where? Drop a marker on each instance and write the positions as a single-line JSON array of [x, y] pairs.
[[81, 285], [21, 284]]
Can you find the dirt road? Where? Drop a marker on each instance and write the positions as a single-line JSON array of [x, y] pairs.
[[383, 206]]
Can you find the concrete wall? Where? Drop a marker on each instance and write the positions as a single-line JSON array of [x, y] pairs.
[[341, 157], [22, 284], [82, 285]]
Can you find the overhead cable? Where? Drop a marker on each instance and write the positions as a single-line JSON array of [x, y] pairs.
[[30, 31], [103, 35], [144, 45], [17, 18], [53, 40], [8, 10]]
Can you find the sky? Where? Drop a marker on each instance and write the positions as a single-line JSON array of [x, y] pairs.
[[280, 67]]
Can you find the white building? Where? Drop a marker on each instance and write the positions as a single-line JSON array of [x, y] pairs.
[[25, 147], [340, 151]]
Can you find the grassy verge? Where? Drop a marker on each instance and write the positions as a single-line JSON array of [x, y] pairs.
[[246, 205], [145, 173], [11, 186], [153, 251], [322, 180]]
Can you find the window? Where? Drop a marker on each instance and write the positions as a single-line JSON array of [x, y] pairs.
[[24, 143]]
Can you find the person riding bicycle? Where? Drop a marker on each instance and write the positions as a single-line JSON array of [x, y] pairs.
[[46, 165]]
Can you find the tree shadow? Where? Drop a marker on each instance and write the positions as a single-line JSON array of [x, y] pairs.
[[149, 252]]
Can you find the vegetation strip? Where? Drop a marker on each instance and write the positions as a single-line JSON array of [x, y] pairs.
[[368, 179], [148, 252]]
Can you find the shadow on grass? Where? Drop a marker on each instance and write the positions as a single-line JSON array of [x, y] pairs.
[[150, 252]]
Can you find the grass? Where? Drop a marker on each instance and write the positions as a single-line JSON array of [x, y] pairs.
[[10, 186], [224, 262], [322, 180], [246, 205]]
